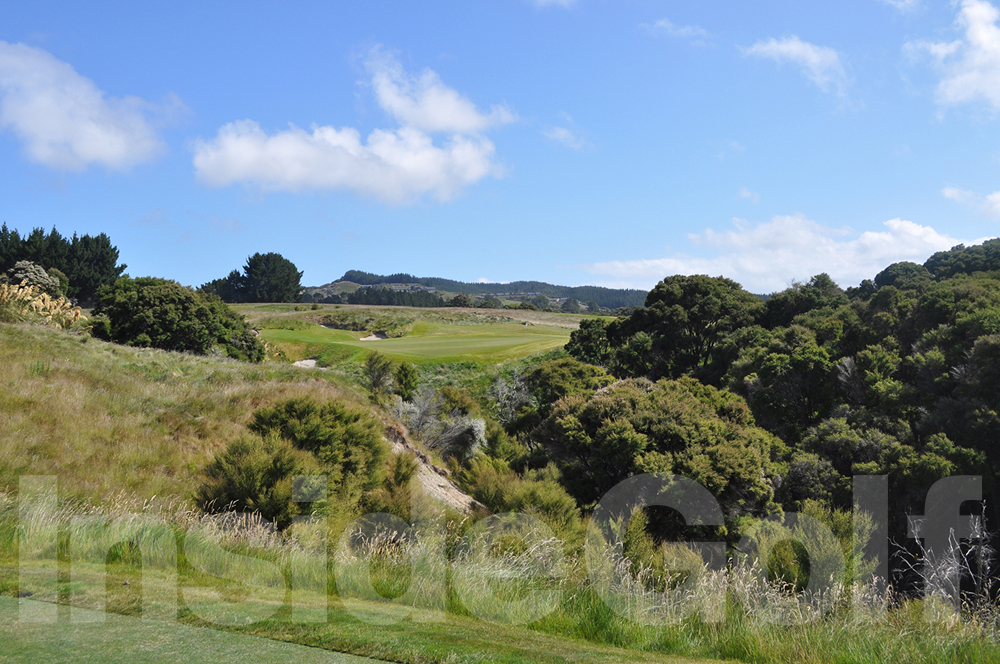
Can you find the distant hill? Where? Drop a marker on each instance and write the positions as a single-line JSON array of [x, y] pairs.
[[609, 298]]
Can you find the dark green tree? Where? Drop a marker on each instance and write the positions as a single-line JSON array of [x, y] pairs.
[[686, 318], [271, 278], [589, 342], [571, 306]]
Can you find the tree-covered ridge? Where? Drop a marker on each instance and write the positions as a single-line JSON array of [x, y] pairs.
[[609, 298], [88, 262]]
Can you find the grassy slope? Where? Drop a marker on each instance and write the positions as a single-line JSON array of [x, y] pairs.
[[107, 418]]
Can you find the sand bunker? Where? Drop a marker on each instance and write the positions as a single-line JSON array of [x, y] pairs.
[[378, 336]]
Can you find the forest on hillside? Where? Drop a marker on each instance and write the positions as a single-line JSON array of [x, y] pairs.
[[608, 298]]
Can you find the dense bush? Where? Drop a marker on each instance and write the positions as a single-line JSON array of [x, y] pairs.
[[346, 441], [157, 313], [328, 446], [681, 427], [255, 474]]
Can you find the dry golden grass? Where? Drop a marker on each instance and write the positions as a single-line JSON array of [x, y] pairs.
[[23, 302], [107, 418]]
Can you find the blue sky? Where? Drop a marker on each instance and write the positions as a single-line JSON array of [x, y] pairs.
[[588, 141]]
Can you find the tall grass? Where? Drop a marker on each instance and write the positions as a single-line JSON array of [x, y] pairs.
[[383, 571], [107, 418]]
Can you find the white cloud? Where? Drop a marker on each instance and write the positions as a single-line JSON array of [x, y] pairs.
[[958, 195], [820, 64], [565, 137], [395, 165], [986, 206], [969, 66], [902, 5], [64, 120], [665, 26], [991, 207], [751, 196], [769, 256], [425, 102]]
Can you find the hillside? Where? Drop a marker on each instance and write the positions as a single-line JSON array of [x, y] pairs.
[[608, 298]]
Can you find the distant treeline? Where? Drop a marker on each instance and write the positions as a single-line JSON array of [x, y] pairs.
[[609, 298], [88, 262]]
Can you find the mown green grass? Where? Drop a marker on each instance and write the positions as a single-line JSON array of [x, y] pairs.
[[429, 342], [129, 639]]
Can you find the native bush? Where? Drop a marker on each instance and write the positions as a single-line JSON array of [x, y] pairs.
[[346, 441], [159, 313]]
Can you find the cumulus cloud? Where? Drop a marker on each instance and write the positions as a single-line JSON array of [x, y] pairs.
[[425, 102], [666, 27], [395, 165], [769, 256], [751, 196], [64, 120], [820, 64], [564, 136], [969, 66]]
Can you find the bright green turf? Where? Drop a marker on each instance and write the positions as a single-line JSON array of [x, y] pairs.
[[430, 342]]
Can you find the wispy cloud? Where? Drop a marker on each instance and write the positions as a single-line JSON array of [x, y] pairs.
[[64, 120], [958, 195], [751, 196], [553, 3], [394, 165], [565, 137], [902, 5], [970, 65], [664, 26], [985, 206], [769, 256], [820, 64]]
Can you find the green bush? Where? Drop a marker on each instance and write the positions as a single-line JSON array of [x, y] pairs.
[[407, 381], [346, 441], [256, 474], [158, 313]]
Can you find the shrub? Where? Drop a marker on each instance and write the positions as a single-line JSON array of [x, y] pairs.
[[346, 441], [158, 313], [407, 381], [32, 274], [256, 474]]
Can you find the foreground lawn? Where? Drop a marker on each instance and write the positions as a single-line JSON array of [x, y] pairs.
[[82, 634], [102, 637]]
